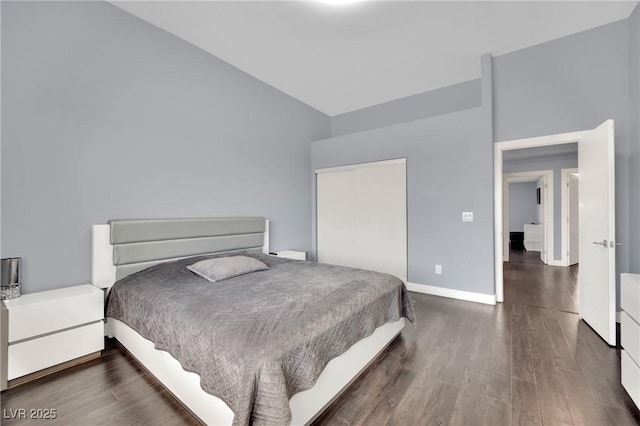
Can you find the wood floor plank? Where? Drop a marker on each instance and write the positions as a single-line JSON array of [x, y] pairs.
[[496, 413], [554, 408], [522, 358], [410, 409], [388, 398], [454, 370], [581, 404], [499, 388], [365, 389], [524, 403], [564, 356], [440, 405], [615, 416], [467, 410]]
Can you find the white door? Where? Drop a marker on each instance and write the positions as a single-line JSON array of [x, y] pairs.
[[362, 216], [381, 219], [573, 219], [597, 276], [336, 217]]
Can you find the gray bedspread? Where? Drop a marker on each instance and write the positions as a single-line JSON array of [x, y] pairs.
[[257, 339]]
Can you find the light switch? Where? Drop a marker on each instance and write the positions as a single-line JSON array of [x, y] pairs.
[[467, 216]]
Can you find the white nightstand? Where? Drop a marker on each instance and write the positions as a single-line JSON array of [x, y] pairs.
[[630, 334], [52, 328], [292, 254]]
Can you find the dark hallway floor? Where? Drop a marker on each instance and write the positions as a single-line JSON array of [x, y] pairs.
[[536, 284]]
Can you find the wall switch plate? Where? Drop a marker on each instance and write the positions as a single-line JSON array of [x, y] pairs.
[[467, 216], [439, 269]]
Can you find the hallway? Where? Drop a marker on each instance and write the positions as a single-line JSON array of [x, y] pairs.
[[536, 284]]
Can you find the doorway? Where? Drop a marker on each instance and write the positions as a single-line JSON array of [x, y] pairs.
[[597, 244], [528, 229], [570, 216]]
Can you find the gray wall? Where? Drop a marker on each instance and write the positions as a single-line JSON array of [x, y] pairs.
[[449, 171], [522, 205], [105, 116], [634, 148], [567, 161], [570, 84], [440, 101]]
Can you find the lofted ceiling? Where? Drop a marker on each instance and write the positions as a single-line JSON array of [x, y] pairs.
[[343, 58]]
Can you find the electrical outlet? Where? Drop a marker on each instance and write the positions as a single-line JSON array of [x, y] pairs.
[[467, 216], [438, 269]]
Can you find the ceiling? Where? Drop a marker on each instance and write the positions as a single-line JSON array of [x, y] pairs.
[[343, 58]]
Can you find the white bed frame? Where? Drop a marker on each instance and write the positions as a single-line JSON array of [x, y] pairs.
[[305, 406]]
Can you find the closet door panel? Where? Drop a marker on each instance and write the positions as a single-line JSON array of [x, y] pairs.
[[336, 217], [381, 219]]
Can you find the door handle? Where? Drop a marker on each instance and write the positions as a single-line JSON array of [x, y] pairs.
[[602, 243], [613, 244]]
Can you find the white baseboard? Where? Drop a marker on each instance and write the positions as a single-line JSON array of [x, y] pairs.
[[487, 299], [556, 263], [618, 314]]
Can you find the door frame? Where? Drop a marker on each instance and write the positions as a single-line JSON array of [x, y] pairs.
[[564, 196], [548, 221], [498, 149]]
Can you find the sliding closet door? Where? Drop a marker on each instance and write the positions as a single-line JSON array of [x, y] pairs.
[[362, 216], [381, 220], [336, 217]]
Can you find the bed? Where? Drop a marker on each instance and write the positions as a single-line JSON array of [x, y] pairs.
[[259, 374]]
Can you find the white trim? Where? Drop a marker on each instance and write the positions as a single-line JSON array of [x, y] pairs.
[[559, 139], [361, 165], [1, 139], [487, 299], [548, 222], [564, 212], [618, 316], [498, 200], [506, 237], [555, 262], [498, 147]]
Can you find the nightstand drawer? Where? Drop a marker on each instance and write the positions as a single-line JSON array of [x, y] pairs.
[[630, 295], [40, 313], [630, 336], [630, 375], [37, 354]]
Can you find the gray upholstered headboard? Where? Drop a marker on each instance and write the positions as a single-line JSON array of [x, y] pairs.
[[123, 247]]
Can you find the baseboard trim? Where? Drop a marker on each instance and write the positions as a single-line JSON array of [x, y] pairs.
[[487, 299], [618, 315], [556, 263]]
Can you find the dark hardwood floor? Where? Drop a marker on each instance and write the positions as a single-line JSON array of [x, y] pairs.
[[463, 364], [524, 256], [530, 282]]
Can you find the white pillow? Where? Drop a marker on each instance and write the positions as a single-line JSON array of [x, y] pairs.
[[221, 268]]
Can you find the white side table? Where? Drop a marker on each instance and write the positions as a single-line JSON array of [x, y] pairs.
[[630, 334], [51, 330], [292, 254]]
